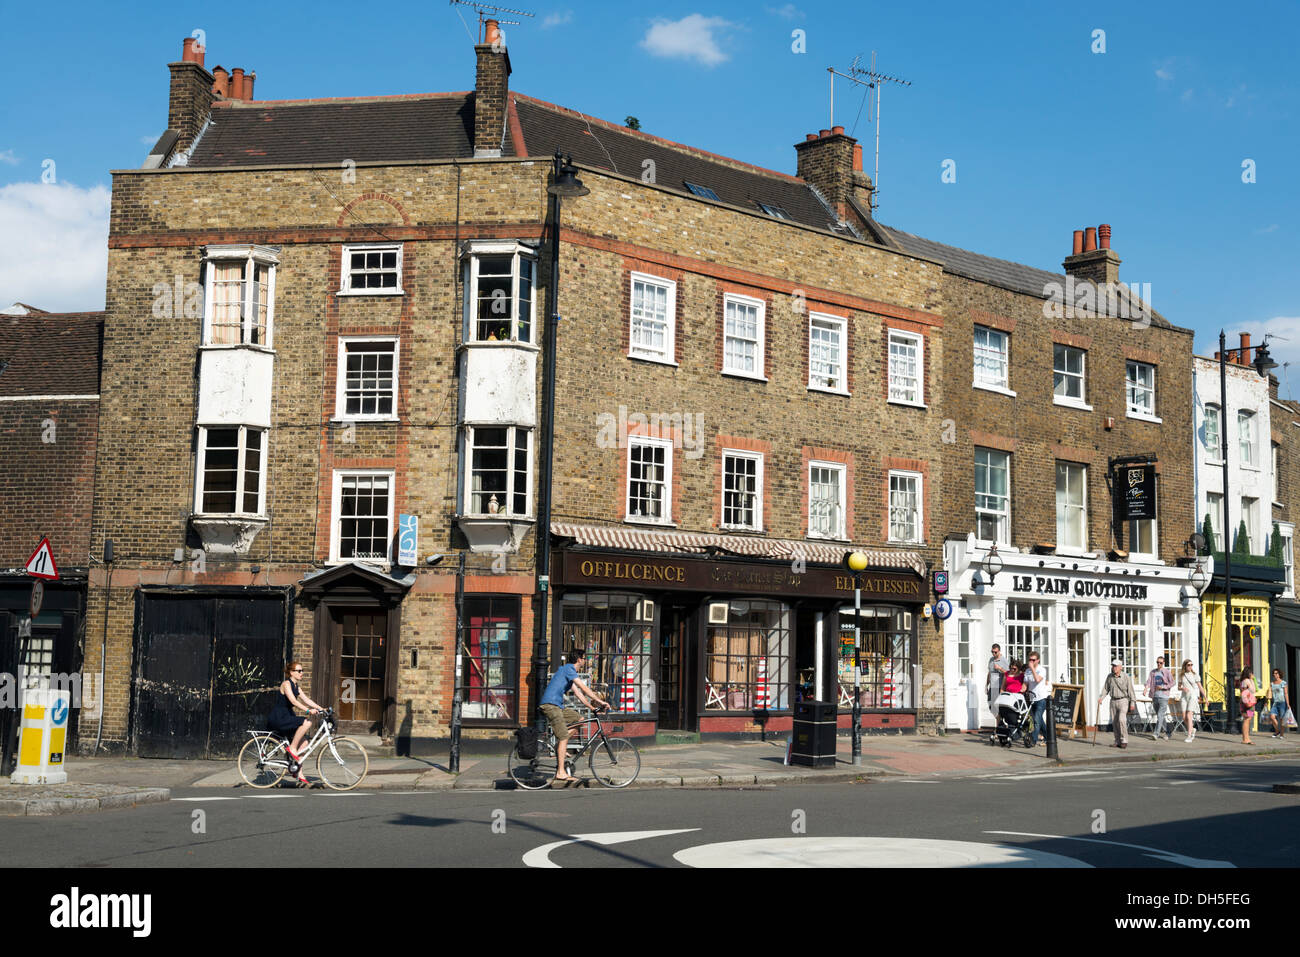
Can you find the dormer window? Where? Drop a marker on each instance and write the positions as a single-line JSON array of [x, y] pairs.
[[776, 212], [499, 292], [239, 295]]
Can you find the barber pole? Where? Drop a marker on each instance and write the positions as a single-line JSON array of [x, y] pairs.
[[760, 691], [628, 701]]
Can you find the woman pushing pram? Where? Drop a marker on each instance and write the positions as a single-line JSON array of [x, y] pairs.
[[1014, 720]]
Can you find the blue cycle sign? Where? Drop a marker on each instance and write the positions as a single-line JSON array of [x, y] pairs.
[[59, 713]]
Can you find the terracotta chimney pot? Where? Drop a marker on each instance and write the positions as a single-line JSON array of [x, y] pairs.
[[1090, 239], [1078, 241], [220, 81], [837, 130], [1103, 235], [811, 136], [237, 83], [491, 32], [191, 52], [857, 156], [824, 133], [248, 85]]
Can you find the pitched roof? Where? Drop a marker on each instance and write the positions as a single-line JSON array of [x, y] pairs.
[[1001, 272], [364, 130], [593, 142], [50, 354]]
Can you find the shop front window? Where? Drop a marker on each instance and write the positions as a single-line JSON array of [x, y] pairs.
[[887, 656], [1028, 631], [490, 678], [747, 656], [618, 632]]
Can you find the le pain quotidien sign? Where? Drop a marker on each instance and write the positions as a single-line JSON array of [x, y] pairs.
[[612, 570]]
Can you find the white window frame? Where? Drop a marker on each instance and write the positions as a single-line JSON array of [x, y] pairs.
[[1080, 402], [840, 326], [1247, 439], [637, 351], [340, 392], [1287, 531], [759, 342], [757, 458], [1134, 537], [475, 251], [1214, 509], [917, 534], [251, 256], [1004, 515], [506, 510], [1214, 449], [336, 517], [345, 282], [1250, 514], [840, 531], [1128, 636], [1134, 386], [983, 353], [1081, 511], [202, 458], [1274, 449], [666, 505], [917, 341]]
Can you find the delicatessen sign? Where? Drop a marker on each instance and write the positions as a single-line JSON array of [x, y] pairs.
[[690, 574]]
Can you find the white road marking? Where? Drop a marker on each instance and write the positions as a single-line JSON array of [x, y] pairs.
[[868, 852], [541, 856], [1157, 853], [263, 797], [1048, 774], [207, 799]]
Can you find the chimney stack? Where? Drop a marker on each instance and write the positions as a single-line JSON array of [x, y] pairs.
[[189, 101], [491, 87], [1090, 263], [832, 162]]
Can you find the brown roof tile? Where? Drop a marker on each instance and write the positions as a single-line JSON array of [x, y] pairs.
[[51, 354]]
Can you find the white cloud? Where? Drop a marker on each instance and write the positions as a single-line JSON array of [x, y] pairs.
[[54, 245], [557, 19], [1270, 228], [1164, 74], [690, 38], [8, 156], [789, 12]]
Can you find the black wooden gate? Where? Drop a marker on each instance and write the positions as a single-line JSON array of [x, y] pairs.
[[207, 669]]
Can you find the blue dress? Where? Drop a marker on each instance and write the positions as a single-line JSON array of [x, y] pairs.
[[282, 719]]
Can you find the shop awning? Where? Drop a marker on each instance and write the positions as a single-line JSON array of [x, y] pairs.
[[697, 543]]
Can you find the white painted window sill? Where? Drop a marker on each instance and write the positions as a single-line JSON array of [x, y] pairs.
[[910, 405], [1251, 468], [370, 292], [353, 419], [634, 520], [1144, 417], [989, 387], [654, 359], [818, 388], [1071, 404], [732, 373]]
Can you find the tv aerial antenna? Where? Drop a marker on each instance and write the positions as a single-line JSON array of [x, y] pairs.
[[487, 11], [875, 82]]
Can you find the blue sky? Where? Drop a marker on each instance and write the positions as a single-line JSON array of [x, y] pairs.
[[1046, 135]]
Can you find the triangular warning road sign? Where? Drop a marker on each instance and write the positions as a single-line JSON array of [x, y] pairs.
[[41, 564]]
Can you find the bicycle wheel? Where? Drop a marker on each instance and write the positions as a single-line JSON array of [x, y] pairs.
[[260, 773], [532, 773], [342, 763], [615, 762]]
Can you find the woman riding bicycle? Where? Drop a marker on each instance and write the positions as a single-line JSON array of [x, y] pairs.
[[284, 721]]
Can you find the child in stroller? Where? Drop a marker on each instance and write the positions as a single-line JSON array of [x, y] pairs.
[[1013, 715]]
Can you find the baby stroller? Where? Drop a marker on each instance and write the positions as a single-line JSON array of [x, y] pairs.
[[1014, 720]]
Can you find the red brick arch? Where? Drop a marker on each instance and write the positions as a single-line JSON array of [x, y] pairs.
[[368, 197]]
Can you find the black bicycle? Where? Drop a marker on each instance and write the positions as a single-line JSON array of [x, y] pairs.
[[614, 762]]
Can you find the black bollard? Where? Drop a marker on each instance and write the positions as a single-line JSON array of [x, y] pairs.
[[1051, 733]]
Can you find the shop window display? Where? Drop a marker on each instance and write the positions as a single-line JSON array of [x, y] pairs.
[[491, 660], [887, 658], [747, 660], [617, 630]]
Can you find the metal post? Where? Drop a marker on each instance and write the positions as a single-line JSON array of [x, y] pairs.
[[541, 656], [857, 669], [1051, 731], [457, 707]]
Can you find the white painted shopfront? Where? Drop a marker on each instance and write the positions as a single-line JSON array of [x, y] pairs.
[[1078, 611]]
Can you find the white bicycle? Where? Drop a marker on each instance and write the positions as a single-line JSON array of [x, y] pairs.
[[342, 763]]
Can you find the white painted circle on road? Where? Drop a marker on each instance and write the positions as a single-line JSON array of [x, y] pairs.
[[867, 852]]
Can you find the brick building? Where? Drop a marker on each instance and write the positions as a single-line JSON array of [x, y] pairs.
[[1067, 398], [49, 410], [327, 320], [1284, 647]]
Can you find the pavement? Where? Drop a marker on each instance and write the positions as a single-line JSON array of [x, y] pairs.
[[115, 782]]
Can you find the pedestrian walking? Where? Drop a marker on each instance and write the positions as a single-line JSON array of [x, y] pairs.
[[999, 665], [1039, 688], [1248, 700], [1189, 683], [1123, 699], [1159, 683], [1277, 704]]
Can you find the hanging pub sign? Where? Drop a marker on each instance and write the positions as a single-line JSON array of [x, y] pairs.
[[1136, 488]]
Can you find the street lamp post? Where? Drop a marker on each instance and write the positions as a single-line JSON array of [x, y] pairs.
[[856, 562], [564, 182], [1263, 363]]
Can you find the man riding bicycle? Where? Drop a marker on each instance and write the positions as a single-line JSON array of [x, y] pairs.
[[560, 717]]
